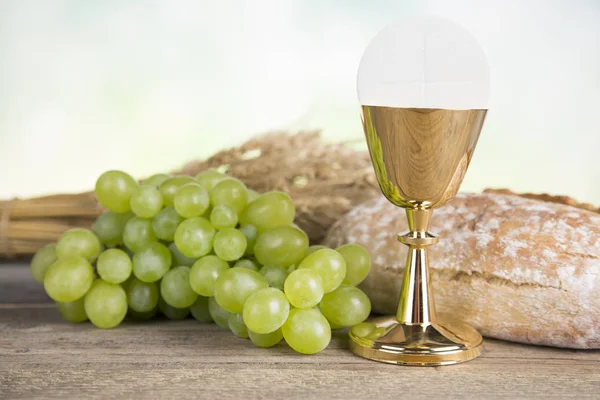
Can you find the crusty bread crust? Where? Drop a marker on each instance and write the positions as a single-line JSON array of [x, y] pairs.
[[516, 269]]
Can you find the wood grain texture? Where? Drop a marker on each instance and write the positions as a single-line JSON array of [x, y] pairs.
[[43, 356], [17, 285]]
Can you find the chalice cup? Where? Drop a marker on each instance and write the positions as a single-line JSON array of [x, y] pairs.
[[420, 156]]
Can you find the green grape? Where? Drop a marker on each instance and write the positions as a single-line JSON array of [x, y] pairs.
[[146, 201], [266, 310], [114, 266], [252, 195], [306, 331], [125, 284], [270, 210], [204, 274], [266, 340], [364, 329], [142, 296], [156, 180], [138, 234], [281, 246], [229, 244], [223, 216], [105, 304], [235, 285], [73, 311], [251, 234], [43, 259], [109, 227], [210, 178], [207, 213], [165, 223], [246, 263], [291, 269], [377, 333], [175, 288], [172, 312], [334, 327], [329, 264], [68, 279], [345, 306], [237, 326], [218, 314], [114, 190], [178, 259], [231, 192], [151, 263], [315, 247], [194, 237], [304, 288], [79, 242], [199, 310], [168, 188], [274, 275], [358, 263], [191, 200], [143, 316]]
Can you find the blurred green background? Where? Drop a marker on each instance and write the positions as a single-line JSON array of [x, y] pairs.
[[144, 86]]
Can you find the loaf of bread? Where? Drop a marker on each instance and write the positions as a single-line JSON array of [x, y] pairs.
[[516, 269]]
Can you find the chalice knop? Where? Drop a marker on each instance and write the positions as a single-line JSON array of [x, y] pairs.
[[423, 85]]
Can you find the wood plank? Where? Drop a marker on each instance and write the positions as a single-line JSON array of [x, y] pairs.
[[17, 285], [42, 356]]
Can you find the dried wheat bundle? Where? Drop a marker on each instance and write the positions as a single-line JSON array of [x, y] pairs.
[[325, 180], [26, 225]]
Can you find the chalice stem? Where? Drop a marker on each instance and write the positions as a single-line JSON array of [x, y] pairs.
[[416, 306]]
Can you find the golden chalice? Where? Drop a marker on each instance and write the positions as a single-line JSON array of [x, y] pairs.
[[421, 131]]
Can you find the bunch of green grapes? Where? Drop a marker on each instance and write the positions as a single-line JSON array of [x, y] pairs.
[[210, 247]]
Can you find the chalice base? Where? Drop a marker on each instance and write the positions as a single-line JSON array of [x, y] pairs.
[[441, 343]]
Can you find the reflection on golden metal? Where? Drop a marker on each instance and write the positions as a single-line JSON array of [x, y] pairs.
[[420, 158], [441, 343]]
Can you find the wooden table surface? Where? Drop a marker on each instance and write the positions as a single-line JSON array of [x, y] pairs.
[[42, 356]]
